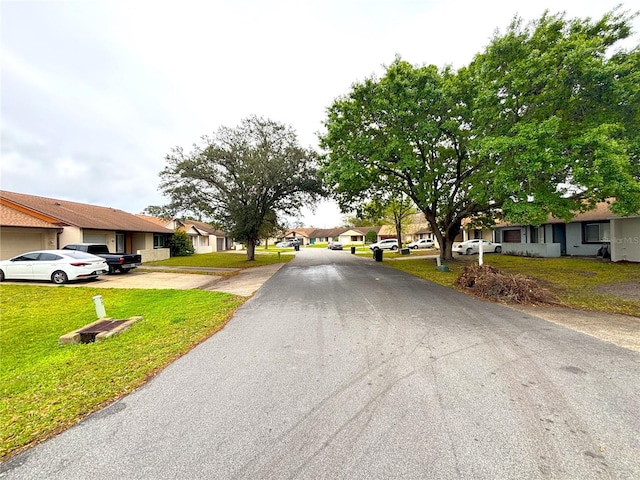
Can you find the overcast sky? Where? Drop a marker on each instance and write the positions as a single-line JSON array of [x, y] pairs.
[[95, 93]]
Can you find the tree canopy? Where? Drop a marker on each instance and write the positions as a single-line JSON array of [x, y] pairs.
[[544, 121], [242, 177]]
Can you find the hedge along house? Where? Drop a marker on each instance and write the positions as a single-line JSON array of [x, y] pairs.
[[584, 235], [30, 222]]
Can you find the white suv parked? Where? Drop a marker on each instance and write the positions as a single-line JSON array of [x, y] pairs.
[[388, 244]]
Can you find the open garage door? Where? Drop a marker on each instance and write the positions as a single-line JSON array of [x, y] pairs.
[[14, 243]]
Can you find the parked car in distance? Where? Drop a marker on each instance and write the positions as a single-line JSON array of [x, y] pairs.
[[284, 244], [58, 266], [334, 246], [388, 244], [422, 243], [473, 246]]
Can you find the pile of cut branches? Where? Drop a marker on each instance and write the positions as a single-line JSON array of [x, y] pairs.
[[489, 282]]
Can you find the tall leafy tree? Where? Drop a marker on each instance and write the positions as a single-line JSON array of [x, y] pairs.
[[408, 132], [544, 121], [557, 110], [241, 176]]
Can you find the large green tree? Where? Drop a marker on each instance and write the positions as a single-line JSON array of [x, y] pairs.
[[407, 132], [557, 110], [240, 177], [544, 121]]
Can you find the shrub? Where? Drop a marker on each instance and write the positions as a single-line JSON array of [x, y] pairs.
[[371, 236], [489, 282], [180, 245]]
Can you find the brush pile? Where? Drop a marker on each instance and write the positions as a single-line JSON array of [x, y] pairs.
[[489, 282]]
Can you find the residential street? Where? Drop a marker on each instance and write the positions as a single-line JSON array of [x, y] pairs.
[[343, 368]]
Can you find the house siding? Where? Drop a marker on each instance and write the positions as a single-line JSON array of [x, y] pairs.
[[625, 239]]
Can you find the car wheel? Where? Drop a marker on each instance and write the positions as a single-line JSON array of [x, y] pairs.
[[415, 247], [59, 277], [469, 251], [112, 269], [394, 247], [498, 249], [1, 276]]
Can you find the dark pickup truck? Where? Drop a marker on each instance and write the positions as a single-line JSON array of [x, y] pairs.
[[116, 261]]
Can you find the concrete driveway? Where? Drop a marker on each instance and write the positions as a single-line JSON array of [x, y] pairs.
[[344, 368], [243, 282]]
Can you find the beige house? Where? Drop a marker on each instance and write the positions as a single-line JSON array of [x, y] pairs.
[[29, 222], [204, 238]]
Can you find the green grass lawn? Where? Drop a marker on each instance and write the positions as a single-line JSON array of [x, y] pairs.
[[228, 259], [46, 387], [573, 280]]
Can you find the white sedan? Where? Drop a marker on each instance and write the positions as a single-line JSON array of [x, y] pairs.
[[422, 243], [473, 246], [58, 266]]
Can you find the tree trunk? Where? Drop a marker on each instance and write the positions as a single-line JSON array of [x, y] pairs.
[[251, 250], [446, 246], [398, 225], [445, 241]]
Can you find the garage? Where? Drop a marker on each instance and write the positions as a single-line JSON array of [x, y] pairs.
[[16, 241]]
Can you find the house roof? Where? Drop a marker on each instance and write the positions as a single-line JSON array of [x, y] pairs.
[[602, 211], [158, 221], [205, 227], [10, 217], [303, 232], [81, 215]]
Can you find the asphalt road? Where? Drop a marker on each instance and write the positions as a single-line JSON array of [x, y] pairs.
[[343, 368]]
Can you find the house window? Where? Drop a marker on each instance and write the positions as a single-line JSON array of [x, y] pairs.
[[595, 232], [537, 234], [120, 242], [159, 240], [511, 236]]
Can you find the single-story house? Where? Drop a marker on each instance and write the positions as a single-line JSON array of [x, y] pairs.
[[304, 235], [29, 222], [344, 235], [584, 235], [204, 237]]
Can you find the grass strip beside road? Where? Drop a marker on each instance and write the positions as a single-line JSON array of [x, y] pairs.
[[46, 387], [574, 280], [224, 260]]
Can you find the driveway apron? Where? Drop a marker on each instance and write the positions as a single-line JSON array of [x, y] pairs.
[[343, 368]]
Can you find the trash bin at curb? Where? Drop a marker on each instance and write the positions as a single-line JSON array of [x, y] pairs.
[[377, 254], [353, 250]]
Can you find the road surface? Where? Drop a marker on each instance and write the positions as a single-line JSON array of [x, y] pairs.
[[343, 368]]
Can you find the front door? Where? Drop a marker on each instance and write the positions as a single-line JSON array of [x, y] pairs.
[[560, 236]]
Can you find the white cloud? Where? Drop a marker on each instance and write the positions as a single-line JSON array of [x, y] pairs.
[[112, 85]]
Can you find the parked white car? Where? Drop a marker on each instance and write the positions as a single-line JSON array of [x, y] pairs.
[[422, 243], [473, 246], [388, 244], [58, 266]]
